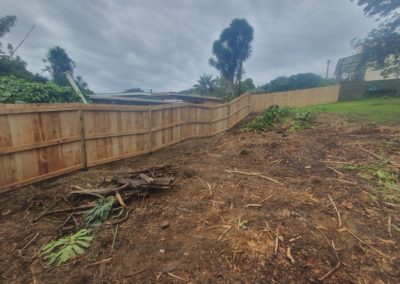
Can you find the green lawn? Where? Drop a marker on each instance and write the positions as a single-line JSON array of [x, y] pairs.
[[380, 110]]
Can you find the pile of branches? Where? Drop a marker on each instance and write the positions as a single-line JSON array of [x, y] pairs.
[[129, 184], [111, 195]]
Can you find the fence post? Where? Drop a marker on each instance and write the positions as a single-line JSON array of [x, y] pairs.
[[82, 134], [149, 127]]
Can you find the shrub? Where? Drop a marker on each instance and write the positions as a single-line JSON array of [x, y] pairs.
[[297, 119], [18, 90]]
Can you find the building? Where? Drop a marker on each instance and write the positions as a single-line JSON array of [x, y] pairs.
[[355, 68]]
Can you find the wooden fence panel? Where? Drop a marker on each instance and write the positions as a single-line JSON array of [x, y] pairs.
[[112, 135], [38, 144], [296, 98]]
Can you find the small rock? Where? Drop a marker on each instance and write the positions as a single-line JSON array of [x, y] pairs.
[[164, 224]]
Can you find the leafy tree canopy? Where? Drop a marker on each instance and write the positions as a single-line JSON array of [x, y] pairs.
[[6, 23], [381, 46], [294, 82], [58, 63], [205, 85], [232, 49]]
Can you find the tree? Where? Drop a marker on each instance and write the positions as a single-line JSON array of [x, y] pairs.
[[59, 63], [6, 23], [294, 82], [247, 85], [381, 46], [134, 90], [205, 85], [232, 49]]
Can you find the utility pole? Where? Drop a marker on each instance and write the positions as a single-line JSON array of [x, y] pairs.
[[71, 81], [327, 69]]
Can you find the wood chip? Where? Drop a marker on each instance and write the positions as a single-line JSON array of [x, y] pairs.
[[289, 255], [253, 205]]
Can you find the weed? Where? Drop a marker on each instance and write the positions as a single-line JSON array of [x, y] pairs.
[[99, 213], [66, 248]]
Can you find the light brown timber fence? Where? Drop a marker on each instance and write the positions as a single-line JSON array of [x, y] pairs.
[[296, 98], [40, 141]]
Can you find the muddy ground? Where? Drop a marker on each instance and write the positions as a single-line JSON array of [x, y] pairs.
[[229, 227]]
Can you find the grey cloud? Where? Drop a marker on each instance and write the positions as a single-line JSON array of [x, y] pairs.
[[165, 45]]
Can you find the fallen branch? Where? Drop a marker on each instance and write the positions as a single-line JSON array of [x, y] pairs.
[[253, 205], [122, 219], [120, 200], [115, 237], [335, 170], [376, 156], [223, 234], [107, 260], [365, 242], [277, 239], [135, 273], [289, 255], [337, 212], [73, 209], [29, 243], [177, 277], [253, 174], [45, 212], [390, 226], [336, 267]]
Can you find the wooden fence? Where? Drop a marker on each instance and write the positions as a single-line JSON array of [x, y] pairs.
[[40, 141], [296, 98]]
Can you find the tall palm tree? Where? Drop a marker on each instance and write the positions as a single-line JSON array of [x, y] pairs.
[[232, 49]]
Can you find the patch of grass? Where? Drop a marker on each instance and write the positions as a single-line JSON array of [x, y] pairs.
[[380, 173], [379, 110], [295, 119]]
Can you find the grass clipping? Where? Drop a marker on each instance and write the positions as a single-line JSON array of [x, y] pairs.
[[292, 118]]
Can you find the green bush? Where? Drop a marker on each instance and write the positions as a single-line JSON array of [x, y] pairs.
[[297, 119], [18, 90]]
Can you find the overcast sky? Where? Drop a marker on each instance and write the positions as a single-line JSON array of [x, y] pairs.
[[165, 45]]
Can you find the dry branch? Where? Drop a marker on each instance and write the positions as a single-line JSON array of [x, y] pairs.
[[365, 242], [29, 243], [335, 170], [337, 212], [253, 174], [376, 156], [107, 260]]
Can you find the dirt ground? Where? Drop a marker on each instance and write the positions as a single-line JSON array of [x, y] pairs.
[[229, 227]]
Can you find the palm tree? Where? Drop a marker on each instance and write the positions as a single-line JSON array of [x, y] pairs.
[[232, 49], [205, 84]]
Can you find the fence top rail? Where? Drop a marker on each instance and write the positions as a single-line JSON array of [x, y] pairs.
[[54, 107]]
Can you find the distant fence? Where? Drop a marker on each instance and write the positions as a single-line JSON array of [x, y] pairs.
[[296, 98], [354, 90], [40, 141]]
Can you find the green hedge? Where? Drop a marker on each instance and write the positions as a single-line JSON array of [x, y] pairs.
[[17, 90]]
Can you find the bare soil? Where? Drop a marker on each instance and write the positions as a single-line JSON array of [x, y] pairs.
[[228, 227]]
